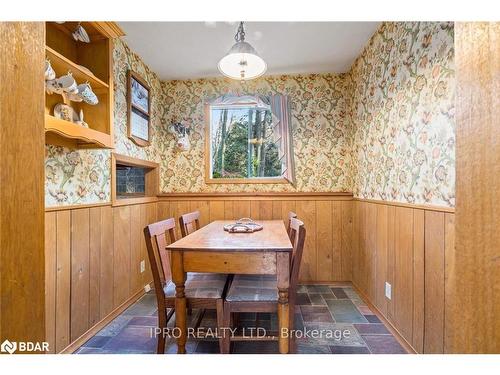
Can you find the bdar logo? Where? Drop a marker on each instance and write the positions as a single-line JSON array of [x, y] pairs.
[[8, 347]]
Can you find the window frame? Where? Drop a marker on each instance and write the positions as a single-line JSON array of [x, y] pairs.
[[208, 161]]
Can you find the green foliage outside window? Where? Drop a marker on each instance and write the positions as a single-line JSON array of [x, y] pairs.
[[242, 143]]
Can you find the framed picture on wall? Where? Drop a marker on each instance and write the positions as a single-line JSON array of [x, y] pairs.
[[138, 109]]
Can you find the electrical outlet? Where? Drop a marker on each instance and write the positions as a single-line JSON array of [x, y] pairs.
[[147, 288], [388, 290], [143, 266]]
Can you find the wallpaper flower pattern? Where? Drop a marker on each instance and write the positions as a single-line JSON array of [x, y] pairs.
[[401, 110], [84, 176], [384, 130], [320, 133]]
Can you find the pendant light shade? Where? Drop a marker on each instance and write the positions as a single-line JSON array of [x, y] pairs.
[[242, 61]]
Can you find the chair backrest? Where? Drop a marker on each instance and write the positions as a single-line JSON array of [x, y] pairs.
[[189, 223], [297, 237], [291, 215], [159, 258]]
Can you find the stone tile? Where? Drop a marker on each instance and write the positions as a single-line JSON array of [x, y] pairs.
[[344, 311], [316, 314], [249, 324], [247, 316], [352, 294], [312, 349], [132, 339], [263, 316], [372, 329], [85, 350], [337, 349], [317, 299], [314, 289], [339, 293], [171, 346], [145, 306], [328, 296], [365, 310], [131, 331], [115, 327], [144, 321], [298, 322], [255, 347], [373, 319], [302, 289], [303, 299], [97, 342], [332, 334], [383, 344], [207, 347]]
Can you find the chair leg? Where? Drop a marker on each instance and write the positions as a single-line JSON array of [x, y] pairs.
[[225, 343], [220, 324], [162, 324], [291, 323]]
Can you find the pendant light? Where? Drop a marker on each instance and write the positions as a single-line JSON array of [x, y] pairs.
[[242, 61]]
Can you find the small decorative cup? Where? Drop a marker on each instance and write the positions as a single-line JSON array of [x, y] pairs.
[[50, 74], [67, 83], [86, 93]]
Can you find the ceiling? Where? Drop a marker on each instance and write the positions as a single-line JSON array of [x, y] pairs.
[[182, 50]]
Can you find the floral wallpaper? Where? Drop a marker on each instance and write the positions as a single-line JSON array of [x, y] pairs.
[[320, 132], [84, 176], [401, 110], [384, 130]]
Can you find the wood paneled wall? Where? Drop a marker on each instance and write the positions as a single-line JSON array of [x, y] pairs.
[[93, 258], [473, 278], [21, 181], [408, 248], [328, 219]]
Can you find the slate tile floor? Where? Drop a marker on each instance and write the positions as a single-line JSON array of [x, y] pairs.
[[320, 307]]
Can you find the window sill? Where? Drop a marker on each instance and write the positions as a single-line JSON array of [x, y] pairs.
[[268, 180]]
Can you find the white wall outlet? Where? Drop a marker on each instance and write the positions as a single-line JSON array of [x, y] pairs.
[[147, 288], [388, 290], [143, 266]]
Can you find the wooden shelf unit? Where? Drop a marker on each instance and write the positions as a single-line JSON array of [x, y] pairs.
[[88, 62]]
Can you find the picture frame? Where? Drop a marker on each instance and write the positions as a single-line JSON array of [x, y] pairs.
[[138, 109]]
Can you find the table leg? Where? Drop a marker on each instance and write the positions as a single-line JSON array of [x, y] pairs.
[[179, 279], [283, 273]]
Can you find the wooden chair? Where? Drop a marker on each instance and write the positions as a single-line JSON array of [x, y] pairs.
[[259, 293], [202, 290], [189, 222], [291, 215]]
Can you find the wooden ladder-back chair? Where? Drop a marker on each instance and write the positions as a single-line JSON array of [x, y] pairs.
[[291, 215], [203, 291], [259, 293], [189, 223]]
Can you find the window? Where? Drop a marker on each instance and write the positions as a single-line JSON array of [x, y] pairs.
[[133, 180], [248, 141]]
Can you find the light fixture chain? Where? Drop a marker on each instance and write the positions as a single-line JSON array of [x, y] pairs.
[[240, 34]]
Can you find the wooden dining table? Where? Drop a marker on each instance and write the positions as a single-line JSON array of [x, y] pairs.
[[211, 249]]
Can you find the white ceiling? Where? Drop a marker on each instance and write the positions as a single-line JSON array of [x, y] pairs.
[[182, 50]]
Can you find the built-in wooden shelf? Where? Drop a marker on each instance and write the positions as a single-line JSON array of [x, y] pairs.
[[64, 133], [80, 73], [88, 62]]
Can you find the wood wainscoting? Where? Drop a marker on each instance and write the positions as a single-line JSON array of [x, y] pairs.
[[408, 247], [92, 258]]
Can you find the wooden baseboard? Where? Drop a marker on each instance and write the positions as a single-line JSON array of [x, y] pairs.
[[71, 348], [386, 322]]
